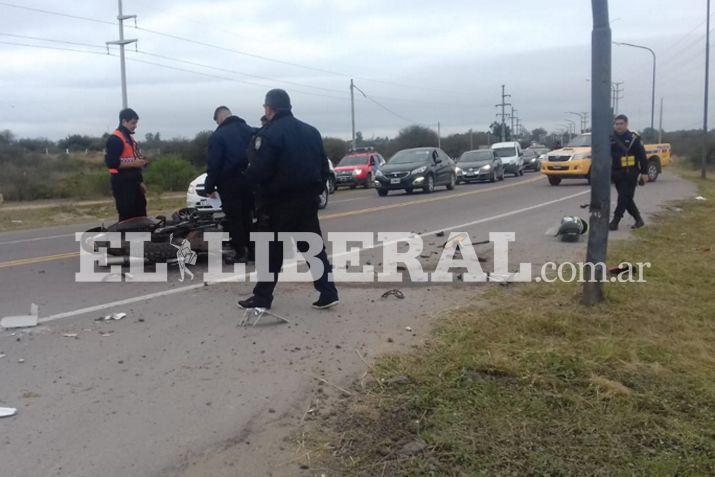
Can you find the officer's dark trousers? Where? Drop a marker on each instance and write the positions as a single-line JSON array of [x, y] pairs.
[[129, 198], [294, 215], [238, 207], [626, 183]]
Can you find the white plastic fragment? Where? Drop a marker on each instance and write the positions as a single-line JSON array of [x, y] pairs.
[[408, 328], [21, 321], [70, 335], [700, 197], [7, 411]]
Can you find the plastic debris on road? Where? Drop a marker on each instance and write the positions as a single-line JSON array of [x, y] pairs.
[[113, 316], [22, 321], [7, 411], [394, 292]]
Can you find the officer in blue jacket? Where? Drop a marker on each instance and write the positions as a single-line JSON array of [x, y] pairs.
[[629, 168], [289, 166], [226, 173]]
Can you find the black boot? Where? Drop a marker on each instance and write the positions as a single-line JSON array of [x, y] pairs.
[[614, 223], [639, 223]]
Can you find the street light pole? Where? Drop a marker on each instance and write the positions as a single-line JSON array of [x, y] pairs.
[[583, 119], [705, 113], [600, 152], [652, 90]]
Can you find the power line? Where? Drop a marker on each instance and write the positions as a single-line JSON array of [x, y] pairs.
[[384, 107], [59, 14], [26, 37], [231, 50]]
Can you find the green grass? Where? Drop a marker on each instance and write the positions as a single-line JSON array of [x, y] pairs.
[[532, 383]]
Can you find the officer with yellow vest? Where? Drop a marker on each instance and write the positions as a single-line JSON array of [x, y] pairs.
[[125, 166], [629, 168]]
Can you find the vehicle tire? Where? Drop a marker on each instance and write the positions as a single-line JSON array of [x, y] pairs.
[[429, 184], [452, 182], [409, 190], [331, 185], [521, 172], [493, 177], [323, 199], [159, 252], [501, 176], [588, 178], [653, 169], [554, 181], [382, 192]]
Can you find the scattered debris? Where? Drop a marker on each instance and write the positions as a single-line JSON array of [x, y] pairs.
[[106, 334], [394, 292], [2, 355], [700, 197], [440, 233], [7, 411], [16, 221], [408, 328], [21, 360], [344, 391], [70, 335], [113, 316], [21, 321]]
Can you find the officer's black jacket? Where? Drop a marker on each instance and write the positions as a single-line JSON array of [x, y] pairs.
[[287, 159], [628, 144], [227, 160], [115, 146]]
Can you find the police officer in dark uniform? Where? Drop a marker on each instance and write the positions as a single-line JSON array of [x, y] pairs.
[[125, 165], [629, 168], [289, 165], [225, 173]]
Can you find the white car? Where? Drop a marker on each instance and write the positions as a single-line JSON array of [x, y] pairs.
[[197, 197], [511, 156]]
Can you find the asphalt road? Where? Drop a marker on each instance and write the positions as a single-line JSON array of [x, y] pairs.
[[176, 388]]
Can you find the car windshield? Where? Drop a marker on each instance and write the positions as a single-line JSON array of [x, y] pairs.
[[475, 156], [505, 151], [411, 156], [353, 161], [584, 140]]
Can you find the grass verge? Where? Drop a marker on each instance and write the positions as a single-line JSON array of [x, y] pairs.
[[532, 383], [74, 213]]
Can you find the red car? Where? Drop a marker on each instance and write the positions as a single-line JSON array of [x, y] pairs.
[[358, 168]]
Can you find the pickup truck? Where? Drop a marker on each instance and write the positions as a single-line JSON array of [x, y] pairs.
[[574, 160]]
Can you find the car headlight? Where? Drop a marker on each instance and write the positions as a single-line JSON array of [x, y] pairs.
[[578, 157], [533, 159], [419, 170], [357, 172], [458, 170], [488, 167], [192, 189]]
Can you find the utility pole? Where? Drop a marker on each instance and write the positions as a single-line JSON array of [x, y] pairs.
[[582, 116], [352, 109], [652, 91], [471, 140], [660, 123], [503, 105], [439, 135], [705, 110], [122, 43], [616, 96], [600, 206]]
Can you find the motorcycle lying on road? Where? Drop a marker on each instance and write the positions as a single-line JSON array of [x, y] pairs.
[[168, 234]]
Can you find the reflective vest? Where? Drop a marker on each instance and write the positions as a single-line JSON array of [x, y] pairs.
[[628, 161], [129, 153]]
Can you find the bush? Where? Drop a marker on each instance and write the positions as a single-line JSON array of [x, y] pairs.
[[85, 185], [169, 173]]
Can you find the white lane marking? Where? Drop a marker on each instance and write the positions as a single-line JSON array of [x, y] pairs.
[[36, 239], [173, 291]]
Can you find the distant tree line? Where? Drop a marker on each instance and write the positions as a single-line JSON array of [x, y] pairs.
[[73, 167]]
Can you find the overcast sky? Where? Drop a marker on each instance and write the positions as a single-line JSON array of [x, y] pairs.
[[423, 61]]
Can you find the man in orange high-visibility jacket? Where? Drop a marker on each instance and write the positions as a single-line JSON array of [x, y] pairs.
[[125, 166]]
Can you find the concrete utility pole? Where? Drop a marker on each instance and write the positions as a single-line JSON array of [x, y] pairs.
[[600, 206], [439, 135], [703, 166], [122, 43], [503, 105], [471, 140], [660, 123], [352, 109], [652, 90]]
